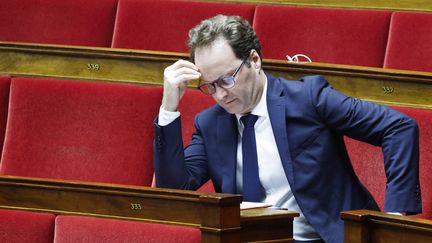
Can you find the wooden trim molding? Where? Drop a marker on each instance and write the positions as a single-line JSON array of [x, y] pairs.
[[393, 87], [401, 5]]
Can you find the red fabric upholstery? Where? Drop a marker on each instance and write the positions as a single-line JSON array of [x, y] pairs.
[[86, 229], [4, 103], [164, 25], [77, 22], [26, 227], [409, 44], [355, 37], [85, 131], [368, 161], [192, 103]]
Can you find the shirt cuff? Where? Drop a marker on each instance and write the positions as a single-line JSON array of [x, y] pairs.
[[166, 117]]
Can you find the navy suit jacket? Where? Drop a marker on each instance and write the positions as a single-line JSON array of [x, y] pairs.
[[309, 119]]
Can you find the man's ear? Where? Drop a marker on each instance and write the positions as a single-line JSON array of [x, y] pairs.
[[255, 59]]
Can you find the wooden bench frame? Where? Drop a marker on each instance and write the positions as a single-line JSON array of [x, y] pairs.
[[217, 215], [403, 5], [365, 226], [393, 87]]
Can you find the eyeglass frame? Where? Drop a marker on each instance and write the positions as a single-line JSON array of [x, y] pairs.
[[219, 80]]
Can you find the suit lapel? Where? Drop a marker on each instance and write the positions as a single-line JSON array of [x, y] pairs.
[[276, 105], [227, 134]]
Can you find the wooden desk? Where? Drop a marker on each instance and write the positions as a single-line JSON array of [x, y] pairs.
[[217, 215], [393, 87], [365, 226], [263, 224]]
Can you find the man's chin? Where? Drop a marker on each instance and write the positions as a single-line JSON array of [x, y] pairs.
[[231, 109]]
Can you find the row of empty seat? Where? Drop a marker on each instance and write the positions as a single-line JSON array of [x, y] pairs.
[[103, 132], [390, 39], [26, 227]]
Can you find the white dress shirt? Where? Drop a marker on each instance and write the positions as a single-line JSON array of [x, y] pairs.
[[271, 173]]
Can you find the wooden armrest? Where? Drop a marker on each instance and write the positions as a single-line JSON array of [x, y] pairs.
[[371, 226]]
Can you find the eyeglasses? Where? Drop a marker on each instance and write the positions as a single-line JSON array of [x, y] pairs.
[[225, 82]]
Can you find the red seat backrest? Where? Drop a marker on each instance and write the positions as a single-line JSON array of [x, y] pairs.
[[78, 22], [164, 25], [409, 44], [4, 103], [76, 228], [86, 131], [368, 161], [341, 36], [192, 103], [23, 227]]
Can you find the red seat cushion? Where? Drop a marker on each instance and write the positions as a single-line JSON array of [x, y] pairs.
[[25, 227], [78, 22], [164, 25], [87, 229], [341, 36], [87, 131], [4, 103], [409, 44], [368, 162]]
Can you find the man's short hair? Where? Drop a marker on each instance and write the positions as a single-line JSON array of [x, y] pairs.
[[237, 31]]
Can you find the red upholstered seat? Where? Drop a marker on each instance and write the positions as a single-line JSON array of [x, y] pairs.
[[77, 22], [192, 103], [26, 227], [87, 229], [409, 44], [341, 36], [87, 131], [4, 103], [164, 25], [369, 166]]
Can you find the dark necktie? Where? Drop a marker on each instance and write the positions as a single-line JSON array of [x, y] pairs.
[[252, 191]]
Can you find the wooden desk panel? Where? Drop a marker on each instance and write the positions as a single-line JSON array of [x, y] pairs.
[[217, 215], [262, 224], [365, 226], [394, 87]]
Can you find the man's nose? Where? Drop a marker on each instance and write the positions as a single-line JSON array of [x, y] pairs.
[[220, 93]]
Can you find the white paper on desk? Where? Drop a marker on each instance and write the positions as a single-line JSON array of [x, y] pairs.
[[250, 205]]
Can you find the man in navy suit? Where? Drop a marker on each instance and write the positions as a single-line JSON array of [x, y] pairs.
[[302, 161]]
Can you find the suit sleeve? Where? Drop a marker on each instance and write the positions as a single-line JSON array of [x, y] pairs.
[[174, 169], [395, 132]]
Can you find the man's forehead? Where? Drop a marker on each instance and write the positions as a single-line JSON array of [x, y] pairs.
[[218, 49], [214, 60]]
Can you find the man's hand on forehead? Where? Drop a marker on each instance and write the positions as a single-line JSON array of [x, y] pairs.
[[176, 78]]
